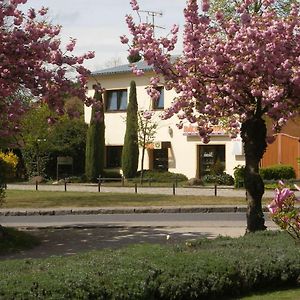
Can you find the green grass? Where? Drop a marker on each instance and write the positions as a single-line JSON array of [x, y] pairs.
[[290, 294], [44, 199], [14, 241]]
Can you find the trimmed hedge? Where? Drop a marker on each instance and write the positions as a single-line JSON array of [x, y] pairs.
[[277, 172], [205, 269], [162, 176], [222, 179]]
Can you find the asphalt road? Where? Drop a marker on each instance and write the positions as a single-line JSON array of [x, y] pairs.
[[71, 234], [176, 222]]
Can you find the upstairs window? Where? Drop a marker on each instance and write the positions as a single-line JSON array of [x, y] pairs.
[[160, 102], [116, 100]]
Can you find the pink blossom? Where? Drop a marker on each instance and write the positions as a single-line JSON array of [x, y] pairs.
[[124, 39]]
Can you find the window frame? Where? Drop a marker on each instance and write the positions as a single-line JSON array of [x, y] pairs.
[[155, 103], [118, 99]]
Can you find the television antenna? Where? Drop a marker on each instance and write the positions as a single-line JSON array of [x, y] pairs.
[[152, 15]]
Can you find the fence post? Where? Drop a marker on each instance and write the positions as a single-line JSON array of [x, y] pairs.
[[123, 181], [216, 190], [135, 188], [99, 183], [173, 189], [5, 186], [65, 182], [36, 186]]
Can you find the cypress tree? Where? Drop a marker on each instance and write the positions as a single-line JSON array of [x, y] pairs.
[[95, 141], [130, 153]]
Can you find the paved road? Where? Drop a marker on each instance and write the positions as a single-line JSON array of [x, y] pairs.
[[70, 234], [232, 224]]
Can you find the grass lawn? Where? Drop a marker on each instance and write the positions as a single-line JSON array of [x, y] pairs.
[[44, 199], [291, 294], [14, 241]]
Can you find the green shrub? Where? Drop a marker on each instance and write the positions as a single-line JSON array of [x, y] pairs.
[[239, 173], [111, 174], [217, 168], [223, 179], [277, 172], [204, 269], [130, 152], [95, 142], [162, 176]]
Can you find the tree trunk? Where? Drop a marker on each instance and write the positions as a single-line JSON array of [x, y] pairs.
[[253, 133], [142, 165]]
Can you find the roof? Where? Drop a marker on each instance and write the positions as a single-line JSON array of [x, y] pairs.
[[142, 65]]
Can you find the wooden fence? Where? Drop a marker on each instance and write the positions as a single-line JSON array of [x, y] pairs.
[[285, 151]]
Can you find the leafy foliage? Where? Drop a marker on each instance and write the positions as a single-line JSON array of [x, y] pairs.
[[95, 141], [41, 143], [222, 179], [202, 269], [278, 172], [163, 176], [130, 152], [239, 175]]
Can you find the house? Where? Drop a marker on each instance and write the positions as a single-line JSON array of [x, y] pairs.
[[175, 150]]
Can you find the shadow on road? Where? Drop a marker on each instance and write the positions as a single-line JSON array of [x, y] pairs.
[[69, 241]]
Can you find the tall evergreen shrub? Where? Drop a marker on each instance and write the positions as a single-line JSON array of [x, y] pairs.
[[95, 141], [130, 153]]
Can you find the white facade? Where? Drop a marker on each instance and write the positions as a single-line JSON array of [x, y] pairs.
[[185, 152]]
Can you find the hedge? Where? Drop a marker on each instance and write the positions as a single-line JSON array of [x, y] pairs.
[[277, 172], [205, 269]]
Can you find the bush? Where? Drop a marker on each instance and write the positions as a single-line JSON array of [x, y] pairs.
[[204, 269], [112, 174], [277, 172], [162, 176], [223, 179], [239, 173]]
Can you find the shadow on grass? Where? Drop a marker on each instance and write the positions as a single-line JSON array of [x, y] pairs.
[[13, 240], [70, 241]]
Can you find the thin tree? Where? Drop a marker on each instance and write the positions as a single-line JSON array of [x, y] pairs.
[[95, 141], [130, 152], [146, 134], [241, 68]]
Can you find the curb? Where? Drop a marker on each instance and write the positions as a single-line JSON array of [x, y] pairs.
[[132, 210]]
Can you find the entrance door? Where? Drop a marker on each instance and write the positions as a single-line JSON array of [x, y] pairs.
[[209, 156], [160, 159]]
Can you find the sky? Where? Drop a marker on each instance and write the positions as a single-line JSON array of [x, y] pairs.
[[98, 24]]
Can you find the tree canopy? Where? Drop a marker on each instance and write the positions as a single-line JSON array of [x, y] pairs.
[[33, 62], [235, 69]]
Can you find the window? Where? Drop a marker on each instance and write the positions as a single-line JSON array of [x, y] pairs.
[[116, 100], [113, 156], [159, 103]]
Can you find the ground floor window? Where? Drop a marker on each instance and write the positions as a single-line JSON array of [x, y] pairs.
[[211, 159], [160, 159], [113, 156]]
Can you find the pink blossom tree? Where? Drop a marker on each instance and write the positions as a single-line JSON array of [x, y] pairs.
[[33, 64], [238, 69]]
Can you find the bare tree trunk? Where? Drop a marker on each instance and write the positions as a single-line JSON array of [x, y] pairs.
[[253, 133], [142, 165]]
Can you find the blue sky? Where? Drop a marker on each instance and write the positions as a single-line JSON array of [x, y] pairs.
[[97, 24]]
